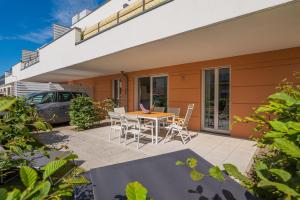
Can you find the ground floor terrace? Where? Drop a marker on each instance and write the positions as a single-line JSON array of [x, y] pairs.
[[220, 89], [95, 150]]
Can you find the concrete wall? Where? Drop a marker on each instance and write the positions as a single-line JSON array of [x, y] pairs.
[[170, 19], [253, 78]]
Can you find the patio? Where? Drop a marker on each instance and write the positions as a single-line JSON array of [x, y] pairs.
[[94, 149]]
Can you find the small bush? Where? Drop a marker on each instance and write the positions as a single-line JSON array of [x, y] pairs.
[[103, 107], [83, 113]]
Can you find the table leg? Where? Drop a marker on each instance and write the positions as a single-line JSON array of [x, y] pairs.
[[156, 131]]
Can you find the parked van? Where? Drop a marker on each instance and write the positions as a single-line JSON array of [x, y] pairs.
[[53, 106]]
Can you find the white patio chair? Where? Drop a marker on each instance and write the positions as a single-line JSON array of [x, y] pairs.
[[133, 125], [181, 126], [176, 112], [120, 110], [159, 109], [115, 124]]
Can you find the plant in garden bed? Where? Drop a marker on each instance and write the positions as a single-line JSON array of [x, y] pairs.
[[16, 136], [103, 107], [83, 113], [38, 184], [18, 123]]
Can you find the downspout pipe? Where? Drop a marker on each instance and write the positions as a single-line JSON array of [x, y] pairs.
[[125, 76]]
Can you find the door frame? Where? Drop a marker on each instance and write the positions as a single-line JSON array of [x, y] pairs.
[[216, 103], [136, 88]]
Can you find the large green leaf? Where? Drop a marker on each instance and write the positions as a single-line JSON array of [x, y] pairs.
[[39, 192], [196, 175], [3, 194], [14, 195], [287, 146], [274, 134], [39, 125], [28, 176], [216, 173], [284, 175], [234, 172], [180, 163], [279, 126], [136, 191], [52, 167], [284, 97], [191, 162], [6, 104], [294, 125], [281, 187]]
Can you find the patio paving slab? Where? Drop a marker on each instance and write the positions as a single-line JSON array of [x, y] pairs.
[[94, 149]]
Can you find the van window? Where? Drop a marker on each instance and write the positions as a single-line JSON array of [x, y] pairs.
[[64, 96], [47, 97]]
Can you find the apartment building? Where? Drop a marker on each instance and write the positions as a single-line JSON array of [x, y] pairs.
[[226, 57]]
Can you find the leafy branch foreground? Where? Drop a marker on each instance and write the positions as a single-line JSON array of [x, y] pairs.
[[19, 181]]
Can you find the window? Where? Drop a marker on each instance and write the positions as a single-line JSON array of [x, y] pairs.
[[65, 96], [153, 91], [47, 97], [117, 89]]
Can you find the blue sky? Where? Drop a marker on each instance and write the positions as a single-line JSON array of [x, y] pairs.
[[26, 24]]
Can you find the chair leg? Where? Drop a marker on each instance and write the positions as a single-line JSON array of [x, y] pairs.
[[152, 133], [125, 138], [182, 138], [120, 135], [109, 136], [138, 141], [171, 129]]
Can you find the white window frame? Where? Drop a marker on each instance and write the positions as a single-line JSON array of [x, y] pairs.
[[216, 101], [136, 90]]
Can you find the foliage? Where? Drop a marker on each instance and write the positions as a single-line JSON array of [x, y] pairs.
[[83, 113], [136, 191], [276, 173], [195, 174], [40, 186], [104, 106], [17, 123], [16, 126]]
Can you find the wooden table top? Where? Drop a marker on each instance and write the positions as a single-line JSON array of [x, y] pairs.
[[151, 115]]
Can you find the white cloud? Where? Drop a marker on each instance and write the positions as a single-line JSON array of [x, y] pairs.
[[64, 10], [40, 36]]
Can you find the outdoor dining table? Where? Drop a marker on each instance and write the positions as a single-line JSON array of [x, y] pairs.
[[156, 117]]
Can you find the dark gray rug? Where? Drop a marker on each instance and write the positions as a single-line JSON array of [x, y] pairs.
[[164, 180]]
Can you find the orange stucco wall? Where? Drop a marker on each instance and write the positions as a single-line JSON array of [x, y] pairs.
[[253, 78]]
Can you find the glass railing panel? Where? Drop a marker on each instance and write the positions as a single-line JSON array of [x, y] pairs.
[[127, 13]]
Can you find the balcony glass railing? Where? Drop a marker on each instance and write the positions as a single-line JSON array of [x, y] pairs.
[[30, 62], [123, 15]]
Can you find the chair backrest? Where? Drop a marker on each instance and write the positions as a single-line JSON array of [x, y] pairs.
[[188, 115], [159, 109], [132, 119], [114, 117], [120, 110], [175, 111]]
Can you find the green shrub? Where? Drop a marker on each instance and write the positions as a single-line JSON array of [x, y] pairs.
[[19, 120], [276, 172], [104, 106], [16, 127], [83, 113]]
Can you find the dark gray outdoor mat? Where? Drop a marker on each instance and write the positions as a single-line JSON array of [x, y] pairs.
[[164, 180]]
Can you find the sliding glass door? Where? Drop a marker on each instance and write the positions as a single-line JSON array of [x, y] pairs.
[[216, 99], [153, 91]]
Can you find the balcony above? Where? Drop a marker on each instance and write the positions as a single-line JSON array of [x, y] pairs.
[[170, 33]]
